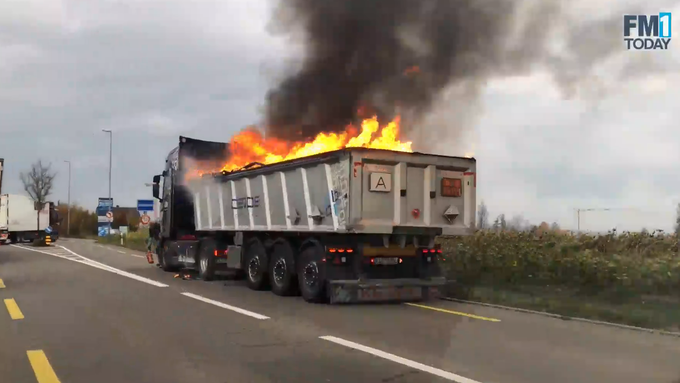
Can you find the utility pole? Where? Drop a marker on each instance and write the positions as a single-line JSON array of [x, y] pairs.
[[110, 166], [68, 214], [2, 164], [578, 216]]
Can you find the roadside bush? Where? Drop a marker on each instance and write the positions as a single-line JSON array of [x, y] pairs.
[[621, 263], [133, 240]]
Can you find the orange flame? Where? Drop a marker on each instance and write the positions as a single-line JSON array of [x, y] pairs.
[[250, 146], [412, 70]]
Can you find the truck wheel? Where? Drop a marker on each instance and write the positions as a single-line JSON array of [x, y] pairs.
[[255, 265], [282, 276], [206, 261], [165, 260], [312, 276]]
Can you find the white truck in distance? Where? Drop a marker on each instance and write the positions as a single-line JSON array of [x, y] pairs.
[[19, 220]]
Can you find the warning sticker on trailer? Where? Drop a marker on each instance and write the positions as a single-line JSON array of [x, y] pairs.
[[380, 182]]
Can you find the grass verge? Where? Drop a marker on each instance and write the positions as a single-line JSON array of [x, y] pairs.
[[629, 278], [654, 312], [133, 241]]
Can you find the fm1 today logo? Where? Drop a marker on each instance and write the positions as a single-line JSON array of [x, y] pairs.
[[653, 31]]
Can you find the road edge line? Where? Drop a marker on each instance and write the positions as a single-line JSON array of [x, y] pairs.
[[226, 306], [397, 359], [564, 317]]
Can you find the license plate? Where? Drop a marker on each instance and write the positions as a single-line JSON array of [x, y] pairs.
[[386, 261], [221, 260]]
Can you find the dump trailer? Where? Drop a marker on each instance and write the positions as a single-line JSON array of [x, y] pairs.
[[351, 225]]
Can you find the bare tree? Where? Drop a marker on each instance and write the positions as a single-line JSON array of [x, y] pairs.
[[554, 227], [482, 216], [38, 184]]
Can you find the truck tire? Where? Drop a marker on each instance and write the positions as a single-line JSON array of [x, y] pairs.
[[255, 265], [206, 260], [282, 274], [165, 262], [311, 275]]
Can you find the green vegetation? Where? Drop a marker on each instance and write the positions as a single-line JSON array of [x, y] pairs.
[[135, 240], [630, 278]]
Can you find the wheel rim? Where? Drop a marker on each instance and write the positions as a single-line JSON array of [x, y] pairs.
[[254, 268], [204, 264], [279, 270], [311, 274]]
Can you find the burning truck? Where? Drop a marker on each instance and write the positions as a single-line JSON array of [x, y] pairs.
[[346, 217]]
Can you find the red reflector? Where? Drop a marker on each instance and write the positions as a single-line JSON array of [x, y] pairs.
[[415, 213], [187, 237], [439, 251]]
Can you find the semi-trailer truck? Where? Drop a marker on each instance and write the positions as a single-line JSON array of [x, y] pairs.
[[344, 226]]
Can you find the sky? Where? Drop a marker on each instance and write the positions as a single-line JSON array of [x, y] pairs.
[[152, 70]]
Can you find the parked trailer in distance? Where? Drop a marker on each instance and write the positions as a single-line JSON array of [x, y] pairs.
[[20, 222], [350, 225]]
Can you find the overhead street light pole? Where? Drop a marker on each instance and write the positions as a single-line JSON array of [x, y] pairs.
[[68, 214], [110, 166]]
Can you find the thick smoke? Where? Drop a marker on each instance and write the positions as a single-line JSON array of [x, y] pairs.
[[362, 54], [359, 54]]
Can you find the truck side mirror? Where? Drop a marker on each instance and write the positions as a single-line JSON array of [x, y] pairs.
[[156, 186]]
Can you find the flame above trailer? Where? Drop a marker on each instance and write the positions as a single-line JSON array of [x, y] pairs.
[[250, 146]]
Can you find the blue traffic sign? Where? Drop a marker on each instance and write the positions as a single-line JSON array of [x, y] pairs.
[[145, 205], [48, 229]]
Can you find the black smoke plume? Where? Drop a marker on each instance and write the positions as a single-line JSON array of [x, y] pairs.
[[363, 54], [381, 55]]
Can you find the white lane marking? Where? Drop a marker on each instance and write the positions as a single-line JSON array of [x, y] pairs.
[[97, 265], [397, 359], [122, 252], [226, 306]]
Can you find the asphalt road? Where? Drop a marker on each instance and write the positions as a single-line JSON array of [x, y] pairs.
[[71, 318]]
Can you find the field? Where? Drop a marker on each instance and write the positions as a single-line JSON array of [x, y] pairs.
[[629, 278]]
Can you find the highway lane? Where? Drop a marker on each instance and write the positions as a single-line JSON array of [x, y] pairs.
[[96, 326], [518, 348]]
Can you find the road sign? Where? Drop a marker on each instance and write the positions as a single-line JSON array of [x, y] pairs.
[[109, 216], [145, 219], [48, 229], [145, 205]]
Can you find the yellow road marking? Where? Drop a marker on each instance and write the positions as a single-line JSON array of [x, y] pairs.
[[2, 284], [454, 312], [41, 367], [13, 309]]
